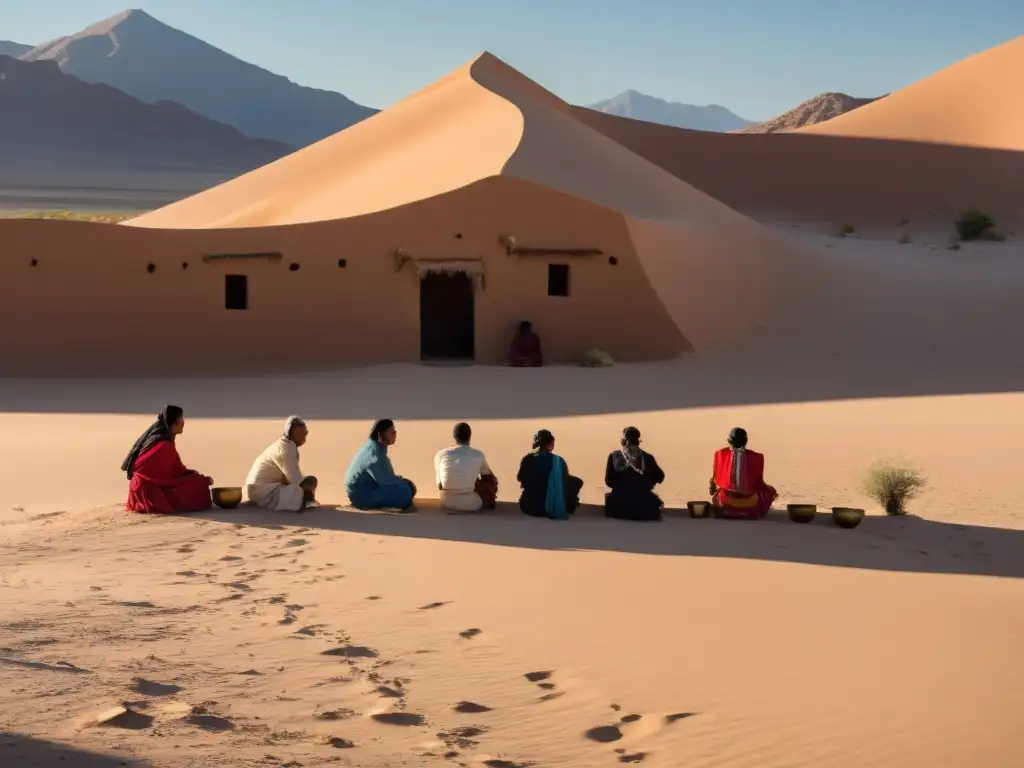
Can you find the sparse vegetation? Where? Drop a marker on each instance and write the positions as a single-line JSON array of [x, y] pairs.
[[98, 218], [977, 225], [893, 486], [597, 358], [906, 239]]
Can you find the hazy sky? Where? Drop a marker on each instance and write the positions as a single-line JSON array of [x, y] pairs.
[[756, 57]]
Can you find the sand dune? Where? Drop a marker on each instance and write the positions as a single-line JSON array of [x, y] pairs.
[[972, 103]]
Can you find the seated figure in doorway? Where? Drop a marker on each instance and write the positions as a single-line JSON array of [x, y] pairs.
[[275, 481], [465, 481], [631, 474], [548, 488], [737, 487], [371, 481], [525, 351], [158, 481]]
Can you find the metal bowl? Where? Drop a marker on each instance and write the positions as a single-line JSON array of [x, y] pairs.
[[699, 508], [802, 513], [847, 517], [227, 498]]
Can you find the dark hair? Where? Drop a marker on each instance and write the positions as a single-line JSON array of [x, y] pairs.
[[631, 436], [462, 433], [525, 326], [542, 438], [738, 437], [380, 427]]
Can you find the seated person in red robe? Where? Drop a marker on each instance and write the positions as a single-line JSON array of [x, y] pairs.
[[525, 349], [738, 489], [159, 482]]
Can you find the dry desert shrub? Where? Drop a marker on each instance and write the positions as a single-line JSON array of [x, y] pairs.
[[977, 225], [906, 239], [846, 230], [597, 358], [892, 486]]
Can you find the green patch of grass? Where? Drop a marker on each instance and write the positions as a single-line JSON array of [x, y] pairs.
[[977, 225], [892, 486]]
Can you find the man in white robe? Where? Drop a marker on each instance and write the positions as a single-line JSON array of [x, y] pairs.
[[275, 481]]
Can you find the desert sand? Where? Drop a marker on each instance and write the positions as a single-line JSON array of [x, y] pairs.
[[241, 638], [244, 638]]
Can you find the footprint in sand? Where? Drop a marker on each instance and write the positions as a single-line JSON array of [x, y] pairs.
[[551, 696], [374, 597], [461, 738], [536, 677], [231, 559], [498, 762], [634, 757], [406, 719], [603, 734], [471, 708], [313, 630], [338, 743], [334, 714], [100, 589], [187, 549], [675, 718], [241, 586], [546, 686], [432, 606], [296, 543], [136, 604], [390, 693], [630, 718], [151, 688], [469, 634], [352, 652]]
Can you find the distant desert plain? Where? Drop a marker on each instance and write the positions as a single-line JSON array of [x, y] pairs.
[[338, 637]]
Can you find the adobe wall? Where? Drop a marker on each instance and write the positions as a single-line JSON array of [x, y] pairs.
[[90, 305]]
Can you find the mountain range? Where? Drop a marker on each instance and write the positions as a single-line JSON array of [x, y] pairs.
[[181, 103], [52, 120], [818, 109], [154, 62], [8, 48], [640, 106]]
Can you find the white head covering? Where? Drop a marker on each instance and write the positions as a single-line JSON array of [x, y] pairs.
[[291, 423]]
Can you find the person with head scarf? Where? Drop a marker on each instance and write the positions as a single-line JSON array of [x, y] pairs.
[[548, 488], [738, 490], [275, 480], [158, 481], [464, 480], [371, 481], [525, 351], [631, 474]]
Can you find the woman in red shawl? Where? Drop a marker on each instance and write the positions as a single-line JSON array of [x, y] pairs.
[[160, 483], [738, 489], [525, 352]]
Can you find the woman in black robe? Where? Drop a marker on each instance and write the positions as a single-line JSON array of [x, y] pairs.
[[631, 474], [535, 478]]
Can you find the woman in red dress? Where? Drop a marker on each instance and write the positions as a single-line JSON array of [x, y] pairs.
[[738, 489], [159, 482]]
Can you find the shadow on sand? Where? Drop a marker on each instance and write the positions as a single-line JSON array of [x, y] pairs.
[[16, 749], [486, 392], [908, 544]]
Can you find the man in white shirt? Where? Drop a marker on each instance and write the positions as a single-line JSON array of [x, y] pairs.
[[465, 481], [275, 480]]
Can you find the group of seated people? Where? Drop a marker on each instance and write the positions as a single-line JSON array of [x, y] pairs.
[[160, 483]]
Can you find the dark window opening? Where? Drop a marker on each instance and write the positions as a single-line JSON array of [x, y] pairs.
[[342, 263], [612, 260], [558, 279], [293, 267], [151, 268], [34, 262], [236, 292], [184, 265]]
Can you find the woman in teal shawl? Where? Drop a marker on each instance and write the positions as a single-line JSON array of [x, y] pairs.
[[548, 488]]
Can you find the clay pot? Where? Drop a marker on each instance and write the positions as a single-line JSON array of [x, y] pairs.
[[699, 508], [802, 513]]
